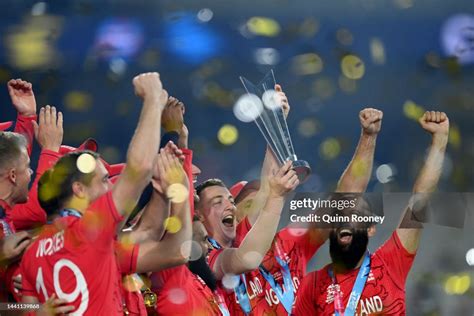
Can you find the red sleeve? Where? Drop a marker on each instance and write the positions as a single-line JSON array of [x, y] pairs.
[[25, 127], [127, 257], [188, 168], [12, 271], [241, 231], [396, 258], [303, 239], [212, 257], [30, 214], [99, 223], [305, 299], [27, 285]]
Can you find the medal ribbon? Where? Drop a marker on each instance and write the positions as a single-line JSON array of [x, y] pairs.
[[356, 289]]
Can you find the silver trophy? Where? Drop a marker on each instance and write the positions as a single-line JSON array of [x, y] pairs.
[[261, 104]]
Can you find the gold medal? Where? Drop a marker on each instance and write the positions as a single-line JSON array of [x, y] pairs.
[[150, 298]]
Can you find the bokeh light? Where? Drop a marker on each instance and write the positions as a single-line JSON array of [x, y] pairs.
[[457, 284], [470, 257], [263, 26], [377, 51], [205, 15], [86, 163], [192, 248], [324, 88], [308, 127], [385, 173], [172, 224], [352, 67], [78, 101], [457, 38], [228, 134], [177, 193], [248, 107], [347, 85], [267, 56], [230, 281], [307, 64], [118, 38], [345, 37], [271, 99], [31, 45], [330, 148], [193, 42], [454, 136], [177, 296], [412, 110]]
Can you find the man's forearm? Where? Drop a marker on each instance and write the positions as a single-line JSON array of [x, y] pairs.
[[357, 174], [252, 211], [431, 171], [145, 142], [175, 240], [256, 243], [150, 226], [410, 227]]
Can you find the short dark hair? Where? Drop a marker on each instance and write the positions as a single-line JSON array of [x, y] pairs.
[[209, 183], [55, 185], [11, 145]]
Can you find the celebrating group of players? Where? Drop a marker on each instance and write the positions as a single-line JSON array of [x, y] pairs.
[[90, 238]]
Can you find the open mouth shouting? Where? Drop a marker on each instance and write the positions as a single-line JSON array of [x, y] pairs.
[[228, 220], [344, 236]]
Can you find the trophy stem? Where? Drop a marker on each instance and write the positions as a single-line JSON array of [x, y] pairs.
[[280, 155]]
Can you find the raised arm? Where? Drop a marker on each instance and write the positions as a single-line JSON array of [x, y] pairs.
[[144, 144], [171, 180], [150, 224], [23, 99], [357, 174], [409, 231], [49, 135], [258, 240]]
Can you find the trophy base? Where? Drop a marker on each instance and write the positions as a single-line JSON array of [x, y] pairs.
[[302, 168]]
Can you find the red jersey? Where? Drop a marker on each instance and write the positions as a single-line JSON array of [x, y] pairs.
[[130, 296], [6, 272], [24, 126], [384, 291], [74, 258], [30, 214], [182, 293], [297, 248], [23, 216]]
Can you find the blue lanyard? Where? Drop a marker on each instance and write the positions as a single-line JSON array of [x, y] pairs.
[[286, 297], [221, 304], [241, 289], [7, 230], [70, 212], [357, 288]]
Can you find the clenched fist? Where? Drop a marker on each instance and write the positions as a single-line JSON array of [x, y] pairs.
[[148, 86], [371, 120], [435, 123]]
